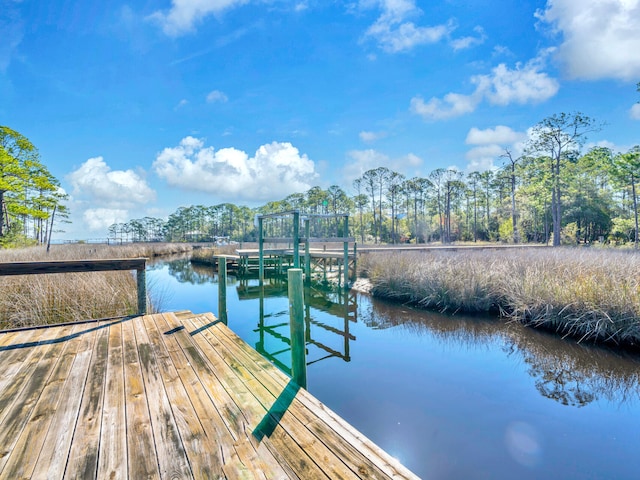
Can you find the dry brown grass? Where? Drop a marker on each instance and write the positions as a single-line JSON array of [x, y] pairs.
[[54, 298], [206, 255], [587, 294]]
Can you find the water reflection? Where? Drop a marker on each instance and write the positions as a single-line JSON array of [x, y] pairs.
[[575, 374], [563, 370], [451, 397], [273, 340]]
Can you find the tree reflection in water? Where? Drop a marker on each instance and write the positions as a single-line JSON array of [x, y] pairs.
[[569, 373], [565, 371], [186, 272]]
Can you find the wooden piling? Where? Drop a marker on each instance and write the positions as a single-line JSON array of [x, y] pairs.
[[222, 288], [345, 272], [296, 239], [141, 279], [307, 256], [355, 262], [296, 323], [261, 251]]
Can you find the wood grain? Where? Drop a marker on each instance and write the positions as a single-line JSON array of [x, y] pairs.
[[71, 266], [172, 395]]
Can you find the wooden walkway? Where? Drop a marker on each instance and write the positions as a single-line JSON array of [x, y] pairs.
[[172, 395]]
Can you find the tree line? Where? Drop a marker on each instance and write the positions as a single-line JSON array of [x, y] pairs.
[[551, 193], [31, 200]]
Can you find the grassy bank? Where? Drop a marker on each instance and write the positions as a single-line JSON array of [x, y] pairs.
[[205, 256], [592, 295], [54, 298]]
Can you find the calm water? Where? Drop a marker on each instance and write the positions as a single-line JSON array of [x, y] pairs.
[[450, 397]]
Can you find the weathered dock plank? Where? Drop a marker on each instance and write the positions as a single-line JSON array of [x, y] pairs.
[[44, 396], [204, 454], [13, 359], [83, 454], [347, 441], [19, 398], [278, 440], [54, 454], [172, 395], [112, 450], [142, 456], [253, 457], [172, 458]]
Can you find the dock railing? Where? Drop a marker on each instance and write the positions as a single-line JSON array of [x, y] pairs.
[[289, 231], [77, 266]]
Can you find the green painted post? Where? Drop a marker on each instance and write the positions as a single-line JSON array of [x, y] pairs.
[[222, 288], [260, 345], [296, 239], [296, 323], [307, 317], [347, 357], [260, 251], [307, 255], [355, 262], [346, 252], [141, 279]]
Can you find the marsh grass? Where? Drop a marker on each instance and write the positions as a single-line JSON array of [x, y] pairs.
[[55, 298], [206, 255], [592, 295]]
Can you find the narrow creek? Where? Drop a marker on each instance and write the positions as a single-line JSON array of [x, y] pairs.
[[449, 396]]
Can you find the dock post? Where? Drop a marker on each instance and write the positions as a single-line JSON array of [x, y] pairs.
[[307, 255], [141, 279], [346, 253], [296, 239], [222, 288], [260, 251], [296, 323], [355, 262]]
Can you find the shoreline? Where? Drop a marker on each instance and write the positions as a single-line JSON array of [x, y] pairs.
[[591, 296]]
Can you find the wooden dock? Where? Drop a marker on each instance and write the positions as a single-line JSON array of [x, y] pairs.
[[172, 395]]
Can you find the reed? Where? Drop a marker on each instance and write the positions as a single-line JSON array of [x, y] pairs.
[[591, 295], [55, 298], [206, 256]]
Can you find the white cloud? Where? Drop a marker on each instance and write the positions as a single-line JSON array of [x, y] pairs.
[[485, 151], [97, 219], [468, 42], [615, 148], [634, 112], [181, 104], [359, 161], [501, 51], [490, 146], [394, 33], [483, 157], [499, 135], [101, 196], [96, 183], [368, 137], [276, 170], [452, 105], [523, 84], [480, 164], [599, 37], [216, 96], [413, 160], [183, 15]]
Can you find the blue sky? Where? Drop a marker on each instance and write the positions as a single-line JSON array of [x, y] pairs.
[[140, 107]]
